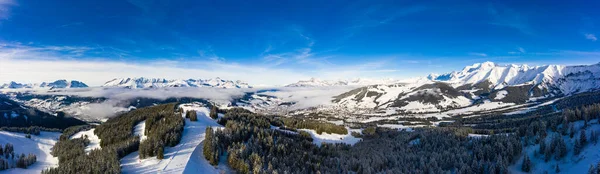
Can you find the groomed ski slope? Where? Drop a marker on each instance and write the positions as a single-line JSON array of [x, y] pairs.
[[39, 145], [186, 157]]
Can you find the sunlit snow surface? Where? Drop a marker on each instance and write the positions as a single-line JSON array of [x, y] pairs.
[[39, 145], [570, 163], [139, 130], [333, 138], [186, 157], [94, 140]]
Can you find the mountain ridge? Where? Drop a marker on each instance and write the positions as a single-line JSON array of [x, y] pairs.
[[480, 82], [62, 83], [142, 82]]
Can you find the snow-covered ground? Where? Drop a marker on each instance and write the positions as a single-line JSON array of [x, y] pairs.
[[400, 126], [94, 140], [186, 157], [39, 145], [529, 109], [333, 138], [138, 130], [570, 163]]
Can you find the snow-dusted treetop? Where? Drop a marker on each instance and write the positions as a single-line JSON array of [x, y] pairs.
[[142, 82]]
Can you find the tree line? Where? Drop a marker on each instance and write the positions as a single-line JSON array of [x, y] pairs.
[[9, 160], [163, 127], [251, 146]]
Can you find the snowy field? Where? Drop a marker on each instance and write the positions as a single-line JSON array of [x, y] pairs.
[[333, 138], [94, 140], [39, 145], [186, 157]]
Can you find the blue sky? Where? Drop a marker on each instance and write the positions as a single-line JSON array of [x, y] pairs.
[[279, 41]]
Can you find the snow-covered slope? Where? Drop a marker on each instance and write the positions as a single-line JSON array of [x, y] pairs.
[[142, 82], [564, 79], [185, 157], [314, 82], [49, 85], [39, 145], [478, 82], [571, 163]]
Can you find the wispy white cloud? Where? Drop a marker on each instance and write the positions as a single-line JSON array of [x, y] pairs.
[[520, 50], [5, 6], [507, 17], [302, 54], [377, 15], [590, 36], [33, 64], [478, 54]]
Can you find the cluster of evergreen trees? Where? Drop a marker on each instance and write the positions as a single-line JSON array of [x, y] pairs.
[[251, 146], [214, 112], [163, 127], [192, 115], [318, 126], [8, 159]]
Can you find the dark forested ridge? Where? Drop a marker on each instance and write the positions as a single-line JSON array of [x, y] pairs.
[[13, 114], [11, 159]]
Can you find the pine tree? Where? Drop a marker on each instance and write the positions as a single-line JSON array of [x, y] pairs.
[[193, 116], [526, 167], [594, 137], [214, 112], [209, 149], [577, 147], [160, 154], [571, 131], [582, 138], [557, 170], [542, 147]]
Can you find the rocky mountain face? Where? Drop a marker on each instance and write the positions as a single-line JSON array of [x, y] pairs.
[[135, 83], [480, 82], [49, 85]]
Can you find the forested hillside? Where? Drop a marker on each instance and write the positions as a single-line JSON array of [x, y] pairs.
[[492, 144], [117, 140]]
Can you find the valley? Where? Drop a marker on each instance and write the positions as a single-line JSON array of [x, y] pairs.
[[335, 119]]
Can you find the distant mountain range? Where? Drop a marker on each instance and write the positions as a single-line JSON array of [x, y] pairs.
[[141, 82], [49, 85], [315, 82], [479, 82]]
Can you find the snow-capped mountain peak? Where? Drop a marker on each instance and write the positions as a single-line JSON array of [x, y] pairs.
[[315, 82], [142, 82], [51, 85]]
